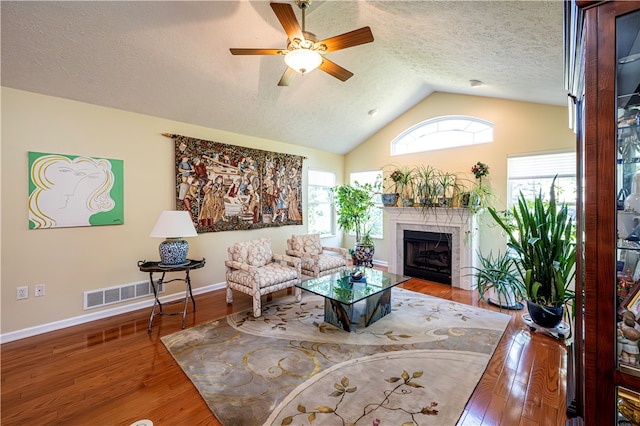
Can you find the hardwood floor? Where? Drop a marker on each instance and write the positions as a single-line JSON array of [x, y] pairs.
[[112, 372]]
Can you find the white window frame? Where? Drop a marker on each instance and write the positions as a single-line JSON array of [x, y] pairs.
[[449, 131], [536, 172], [324, 181]]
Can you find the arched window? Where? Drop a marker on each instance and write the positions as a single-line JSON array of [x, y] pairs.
[[442, 132]]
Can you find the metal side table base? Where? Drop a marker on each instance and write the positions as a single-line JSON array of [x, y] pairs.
[[151, 268]]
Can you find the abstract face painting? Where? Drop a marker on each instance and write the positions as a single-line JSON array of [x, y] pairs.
[[67, 191]]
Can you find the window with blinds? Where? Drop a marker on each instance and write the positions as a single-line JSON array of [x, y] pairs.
[[531, 174]]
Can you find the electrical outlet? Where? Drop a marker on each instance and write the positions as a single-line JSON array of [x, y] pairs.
[[22, 293], [39, 290]]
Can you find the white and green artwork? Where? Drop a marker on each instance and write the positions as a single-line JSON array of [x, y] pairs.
[[70, 190]]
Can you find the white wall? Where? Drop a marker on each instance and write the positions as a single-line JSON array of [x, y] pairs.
[[70, 261]]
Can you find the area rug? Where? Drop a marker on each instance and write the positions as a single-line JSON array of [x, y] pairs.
[[418, 365]]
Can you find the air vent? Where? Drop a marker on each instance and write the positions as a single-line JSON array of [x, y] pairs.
[[111, 295]]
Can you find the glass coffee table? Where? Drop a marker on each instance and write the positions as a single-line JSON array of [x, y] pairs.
[[349, 303]]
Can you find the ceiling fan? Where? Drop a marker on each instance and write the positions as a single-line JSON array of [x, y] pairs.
[[304, 52]]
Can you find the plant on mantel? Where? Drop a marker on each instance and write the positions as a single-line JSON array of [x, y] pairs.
[[480, 195], [430, 187], [426, 184]]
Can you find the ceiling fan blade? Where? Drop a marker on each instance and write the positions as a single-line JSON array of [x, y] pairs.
[[335, 70], [284, 13], [256, 51], [350, 39], [287, 77]]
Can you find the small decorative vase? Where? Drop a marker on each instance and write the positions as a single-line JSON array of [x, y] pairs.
[[407, 202], [389, 199], [173, 252]]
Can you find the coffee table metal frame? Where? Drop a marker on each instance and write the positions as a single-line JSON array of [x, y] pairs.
[[343, 298]]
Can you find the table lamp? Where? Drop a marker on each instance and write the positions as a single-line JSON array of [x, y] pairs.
[[174, 225]]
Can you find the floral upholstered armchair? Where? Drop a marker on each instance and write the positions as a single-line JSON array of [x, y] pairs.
[[253, 269], [315, 262]]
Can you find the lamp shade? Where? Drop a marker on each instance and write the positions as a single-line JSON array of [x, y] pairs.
[[303, 60], [173, 225]]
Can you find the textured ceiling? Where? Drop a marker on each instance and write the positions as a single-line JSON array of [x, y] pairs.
[[172, 60]]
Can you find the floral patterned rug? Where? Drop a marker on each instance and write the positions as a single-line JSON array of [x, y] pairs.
[[418, 365]]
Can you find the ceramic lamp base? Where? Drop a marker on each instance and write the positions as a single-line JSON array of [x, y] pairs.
[[173, 252]]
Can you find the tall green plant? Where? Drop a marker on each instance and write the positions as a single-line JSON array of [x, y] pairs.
[[354, 203], [540, 235]]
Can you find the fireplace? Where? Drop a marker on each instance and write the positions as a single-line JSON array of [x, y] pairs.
[[457, 224], [427, 255]]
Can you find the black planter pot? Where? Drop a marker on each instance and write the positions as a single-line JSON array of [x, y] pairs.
[[545, 316]]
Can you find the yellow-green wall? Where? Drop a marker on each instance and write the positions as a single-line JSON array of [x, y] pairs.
[[519, 128], [70, 261]]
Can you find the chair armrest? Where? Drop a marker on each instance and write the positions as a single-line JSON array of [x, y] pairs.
[[343, 251], [303, 255], [231, 264], [294, 262]]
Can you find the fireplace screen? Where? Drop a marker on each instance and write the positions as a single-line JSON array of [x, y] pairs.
[[427, 255]]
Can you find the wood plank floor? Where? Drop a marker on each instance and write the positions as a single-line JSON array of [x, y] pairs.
[[112, 372]]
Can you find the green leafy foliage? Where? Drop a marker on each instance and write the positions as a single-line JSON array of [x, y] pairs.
[[540, 235], [354, 204], [498, 273]]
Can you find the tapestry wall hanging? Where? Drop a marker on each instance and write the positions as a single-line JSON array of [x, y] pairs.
[[70, 190], [227, 187]]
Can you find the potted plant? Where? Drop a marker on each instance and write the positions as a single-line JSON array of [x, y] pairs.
[[480, 195], [403, 178], [352, 253], [354, 204], [540, 237], [498, 281], [390, 195], [426, 184], [446, 188]]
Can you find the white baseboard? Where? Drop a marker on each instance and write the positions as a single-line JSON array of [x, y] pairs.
[[381, 263], [106, 313]]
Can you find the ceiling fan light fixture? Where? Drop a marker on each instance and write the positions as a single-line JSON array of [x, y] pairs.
[[303, 60]]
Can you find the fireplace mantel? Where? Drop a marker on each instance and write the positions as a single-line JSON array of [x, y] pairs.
[[455, 221]]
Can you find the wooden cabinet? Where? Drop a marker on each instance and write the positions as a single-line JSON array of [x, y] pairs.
[[603, 41]]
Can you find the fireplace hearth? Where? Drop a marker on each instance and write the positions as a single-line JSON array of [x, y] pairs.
[[427, 255]]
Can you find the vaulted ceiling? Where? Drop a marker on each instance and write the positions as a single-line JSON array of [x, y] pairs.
[[171, 59]]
